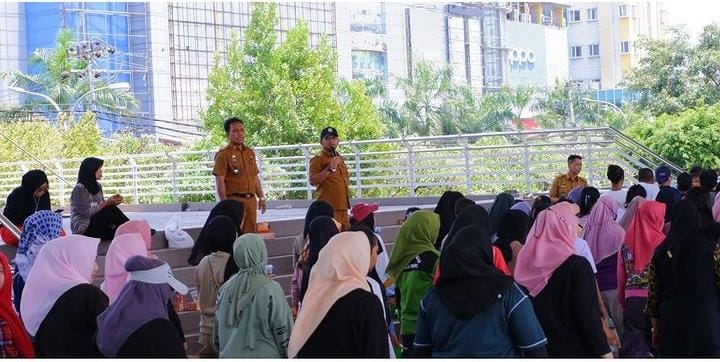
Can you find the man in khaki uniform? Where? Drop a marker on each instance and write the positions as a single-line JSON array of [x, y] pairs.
[[330, 175], [237, 175], [563, 184]]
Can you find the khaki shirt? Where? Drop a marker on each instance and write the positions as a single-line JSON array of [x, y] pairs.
[[563, 184], [334, 189], [239, 167]]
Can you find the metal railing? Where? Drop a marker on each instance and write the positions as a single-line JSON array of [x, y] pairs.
[[525, 162]]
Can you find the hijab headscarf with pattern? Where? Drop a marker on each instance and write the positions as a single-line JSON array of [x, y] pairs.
[[39, 228]]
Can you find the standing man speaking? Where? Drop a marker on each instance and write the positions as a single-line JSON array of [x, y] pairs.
[[237, 175], [330, 176]]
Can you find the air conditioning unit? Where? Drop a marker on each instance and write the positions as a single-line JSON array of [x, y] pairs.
[[547, 20]]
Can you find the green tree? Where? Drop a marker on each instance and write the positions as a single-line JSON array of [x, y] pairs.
[[60, 77], [676, 75], [688, 138], [435, 105], [284, 93]]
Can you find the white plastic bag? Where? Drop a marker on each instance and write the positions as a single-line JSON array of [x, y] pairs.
[[177, 238]]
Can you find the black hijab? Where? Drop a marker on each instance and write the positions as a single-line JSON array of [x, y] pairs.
[[446, 209], [22, 203], [503, 202], [684, 260], [86, 174], [321, 230], [316, 209], [474, 215], [514, 225], [469, 282], [218, 235], [230, 208]]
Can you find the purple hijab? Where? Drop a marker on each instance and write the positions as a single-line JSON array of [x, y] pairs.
[[522, 206], [137, 304], [574, 195], [603, 235]]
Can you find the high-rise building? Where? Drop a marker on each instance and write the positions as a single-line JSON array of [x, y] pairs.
[[602, 41]]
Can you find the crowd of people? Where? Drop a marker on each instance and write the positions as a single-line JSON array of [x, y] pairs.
[[627, 272]]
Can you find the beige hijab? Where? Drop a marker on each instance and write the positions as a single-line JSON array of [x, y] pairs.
[[341, 268]]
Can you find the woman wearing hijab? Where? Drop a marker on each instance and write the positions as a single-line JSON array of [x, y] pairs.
[[413, 263], [503, 202], [137, 324], [92, 215], [39, 228], [14, 340], [446, 210], [210, 276], [316, 209], [541, 203], [341, 317], [641, 239], [605, 237], [588, 197], [60, 305], [683, 298], [137, 227], [31, 197], [321, 230], [253, 318], [203, 244], [511, 235], [120, 250], [574, 194], [561, 286], [522, 206], [475, 311], [633, 193], [476, 215]]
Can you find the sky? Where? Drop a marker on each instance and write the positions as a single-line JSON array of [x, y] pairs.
[[694, 13]]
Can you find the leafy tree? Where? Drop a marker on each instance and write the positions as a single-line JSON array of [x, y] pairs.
[[676, 75], [59, 77], [688, 138], [435, 105], [285, 93]]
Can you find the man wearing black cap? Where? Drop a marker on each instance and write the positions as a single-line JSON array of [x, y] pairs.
[[330, 176]]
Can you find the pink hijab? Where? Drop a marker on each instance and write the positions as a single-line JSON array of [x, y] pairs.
[[550, 241], [121, 249], [603, 235], [61, 264], [629, 214], [136, 227], [716, 208]]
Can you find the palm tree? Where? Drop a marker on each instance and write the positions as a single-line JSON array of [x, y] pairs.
[[63, 79]]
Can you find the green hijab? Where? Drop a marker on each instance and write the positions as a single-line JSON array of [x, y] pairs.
[[415, 237], [250, 254]]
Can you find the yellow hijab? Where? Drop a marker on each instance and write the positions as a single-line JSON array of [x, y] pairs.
[[341, 268]]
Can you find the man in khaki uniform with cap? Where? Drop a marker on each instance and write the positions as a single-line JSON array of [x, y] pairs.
[[237, 175], [329, 174]]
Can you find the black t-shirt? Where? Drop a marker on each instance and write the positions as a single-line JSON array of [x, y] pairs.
[[354, 327], [569, 314], [69, 328]]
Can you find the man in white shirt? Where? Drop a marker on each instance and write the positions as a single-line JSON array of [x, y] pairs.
[[616, 175], [647, 181]]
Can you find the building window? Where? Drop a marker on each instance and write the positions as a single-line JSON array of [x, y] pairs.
[[625, 47], [594, 50], [592, 14], [575, 52], [367, 64], [574, 16], [623, 11], [368, 18]]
